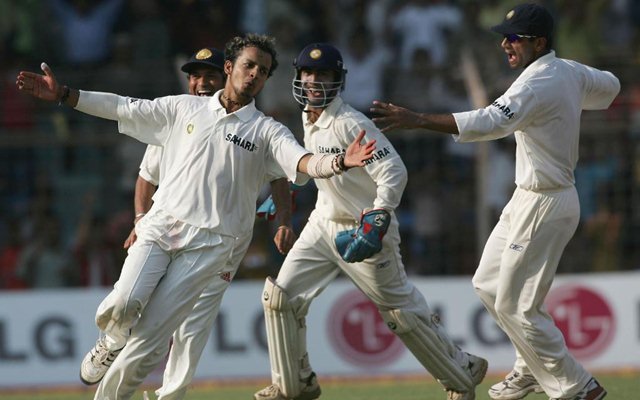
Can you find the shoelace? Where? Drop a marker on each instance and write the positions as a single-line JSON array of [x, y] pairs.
[[103, 356]]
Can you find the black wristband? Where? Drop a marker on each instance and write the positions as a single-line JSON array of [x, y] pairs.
[[65, 95], [341, 164]]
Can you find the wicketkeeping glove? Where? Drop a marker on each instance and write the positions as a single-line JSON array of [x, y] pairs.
[[355, 245], [267, 209]]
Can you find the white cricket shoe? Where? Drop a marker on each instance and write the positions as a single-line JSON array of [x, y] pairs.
[[478, 369], [591, 391], [96, 363], [514, 386], [272, 392]]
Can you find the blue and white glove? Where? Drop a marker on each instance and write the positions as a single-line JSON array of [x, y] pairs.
[[267, 209], [355, 245]]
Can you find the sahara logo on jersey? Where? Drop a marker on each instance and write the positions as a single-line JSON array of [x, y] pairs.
[[240, 142], [504, 109], [378, 155], [330, 150]]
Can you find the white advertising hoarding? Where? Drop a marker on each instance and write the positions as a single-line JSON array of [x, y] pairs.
[[45, 334]]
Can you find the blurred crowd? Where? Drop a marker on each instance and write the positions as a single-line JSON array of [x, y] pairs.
[[67, 180]]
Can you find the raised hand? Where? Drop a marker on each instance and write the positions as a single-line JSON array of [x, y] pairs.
[[357, 153], [393, 117], [44, 87]]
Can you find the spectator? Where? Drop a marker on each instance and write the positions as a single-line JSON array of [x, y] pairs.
[[45, 263], [87, 29], [9, 254], [425, 24], [366, 62]]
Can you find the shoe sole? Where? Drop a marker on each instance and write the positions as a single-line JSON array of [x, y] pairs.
[[86, 382], [600, 395], [310, 395], [519, 395], [483, 372]]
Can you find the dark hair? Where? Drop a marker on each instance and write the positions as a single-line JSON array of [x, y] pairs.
[[265, 43]]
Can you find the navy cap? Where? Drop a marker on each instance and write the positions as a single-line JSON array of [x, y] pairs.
[[527, 19], [207, 57], [320, 56]]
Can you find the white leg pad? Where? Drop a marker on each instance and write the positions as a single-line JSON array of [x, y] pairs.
[[286, 336], [432, 348]]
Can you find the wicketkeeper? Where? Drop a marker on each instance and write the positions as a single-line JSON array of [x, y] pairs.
[[352, 230]]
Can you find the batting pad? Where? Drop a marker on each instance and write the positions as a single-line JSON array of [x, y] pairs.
[[286, 336], [432, 348]]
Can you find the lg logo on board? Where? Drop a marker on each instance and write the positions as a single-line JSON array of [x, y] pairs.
[[585, 319], [359, 333]]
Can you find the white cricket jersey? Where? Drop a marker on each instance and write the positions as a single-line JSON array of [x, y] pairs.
[[542, 107], [151, 167], [378, 185], [213, 163]]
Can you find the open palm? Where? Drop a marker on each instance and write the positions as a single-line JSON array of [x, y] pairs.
[[43, 87]]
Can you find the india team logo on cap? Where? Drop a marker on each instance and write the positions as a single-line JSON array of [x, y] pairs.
[[315, 54], [203, 54], [510, 14]]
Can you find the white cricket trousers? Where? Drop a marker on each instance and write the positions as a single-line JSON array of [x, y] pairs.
[[513, 278], [314, 262], [190, 338], [167, 268]]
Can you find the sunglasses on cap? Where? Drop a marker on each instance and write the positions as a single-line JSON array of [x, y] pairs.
[[513, 37]]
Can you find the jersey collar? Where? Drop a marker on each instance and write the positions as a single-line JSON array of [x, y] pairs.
[[544, 60], [244, 114]]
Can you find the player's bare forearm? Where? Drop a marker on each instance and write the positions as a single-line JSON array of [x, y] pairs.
[[390, 117], [282, 200], [285, 236], [142, 201]]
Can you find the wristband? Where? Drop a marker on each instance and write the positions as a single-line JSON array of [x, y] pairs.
[[65, 95], [137, 217]]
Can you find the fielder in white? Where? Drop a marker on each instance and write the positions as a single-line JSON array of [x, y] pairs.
[[216, 152], [352, 230], [205, 75], [542, 108]]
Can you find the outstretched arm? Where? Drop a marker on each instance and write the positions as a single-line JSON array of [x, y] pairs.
[[392, 117]]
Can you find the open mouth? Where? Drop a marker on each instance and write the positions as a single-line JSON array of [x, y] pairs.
[[204, 92]]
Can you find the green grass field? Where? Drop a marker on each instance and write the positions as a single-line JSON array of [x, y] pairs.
[[620, 386]]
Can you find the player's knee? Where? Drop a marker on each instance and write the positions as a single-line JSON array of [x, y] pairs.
[[274, 297], [505, 310], [478, 285]]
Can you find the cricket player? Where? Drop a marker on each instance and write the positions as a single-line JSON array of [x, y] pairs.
[[542, 109], [216, 152], [205, 74], [352, 230]]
